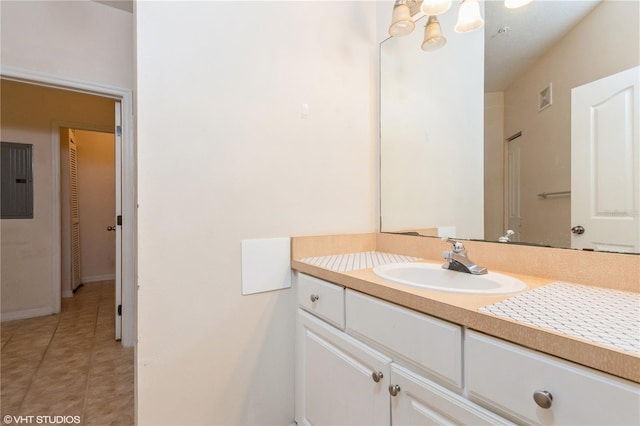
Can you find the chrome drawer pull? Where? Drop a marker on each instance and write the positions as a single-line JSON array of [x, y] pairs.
[[314, 297], [376, 376], [543, 398]]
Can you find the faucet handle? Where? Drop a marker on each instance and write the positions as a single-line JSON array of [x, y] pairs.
[[458, 247]]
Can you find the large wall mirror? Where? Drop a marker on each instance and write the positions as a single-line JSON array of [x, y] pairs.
[[531, 126]]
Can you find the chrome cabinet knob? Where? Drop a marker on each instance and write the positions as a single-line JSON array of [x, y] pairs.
[[376, 376], [543, 398], [578, 230], [394, 389], [314, 297], [111, 228]]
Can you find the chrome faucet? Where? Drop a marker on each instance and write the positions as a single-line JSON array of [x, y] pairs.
[[457, 260], [506, 237]]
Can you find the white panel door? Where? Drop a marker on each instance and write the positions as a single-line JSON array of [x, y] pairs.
[[335, 382], [605, 163]]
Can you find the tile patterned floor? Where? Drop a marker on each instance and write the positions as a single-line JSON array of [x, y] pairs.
[[68, 364]]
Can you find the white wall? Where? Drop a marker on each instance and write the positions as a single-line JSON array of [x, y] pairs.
[[97, 204], [224, 155], [432, 131], [74, 40]]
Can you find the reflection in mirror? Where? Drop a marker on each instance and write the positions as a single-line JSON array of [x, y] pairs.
[[434, 163], [431, 132]]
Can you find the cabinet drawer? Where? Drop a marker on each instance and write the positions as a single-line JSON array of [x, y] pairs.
[[432, 345], [322, 299], [505, 377]]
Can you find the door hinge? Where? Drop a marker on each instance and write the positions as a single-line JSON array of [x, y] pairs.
[[119, 220], [119, 310], [118, 130]]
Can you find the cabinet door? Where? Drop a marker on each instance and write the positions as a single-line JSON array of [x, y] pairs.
[[334, 378], [419, 401]]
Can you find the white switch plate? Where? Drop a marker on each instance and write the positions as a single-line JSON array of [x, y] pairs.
[[266, 265], [447, 231]]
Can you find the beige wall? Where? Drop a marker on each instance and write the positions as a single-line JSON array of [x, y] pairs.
[[605, 42], [77, 40], [224, 155], [28, 115], [494, 225], [96, 183]]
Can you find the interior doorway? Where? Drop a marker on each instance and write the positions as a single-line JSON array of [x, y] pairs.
[[88, 172], [89, 207], [48, 234], [513, 187]]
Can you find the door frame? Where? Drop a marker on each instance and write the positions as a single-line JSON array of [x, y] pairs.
[[129, 194], [511, 185]]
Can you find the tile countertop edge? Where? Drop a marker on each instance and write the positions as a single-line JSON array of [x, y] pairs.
[[618, 363]]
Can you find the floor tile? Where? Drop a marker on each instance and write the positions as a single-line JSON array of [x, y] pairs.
[[69, 364]]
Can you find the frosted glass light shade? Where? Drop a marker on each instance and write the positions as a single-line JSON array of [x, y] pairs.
[[514, 4], [469, 18], [435, 7], [433, 38], [401, 22]]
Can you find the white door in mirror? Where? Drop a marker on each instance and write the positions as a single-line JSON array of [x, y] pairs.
[[605, 195]]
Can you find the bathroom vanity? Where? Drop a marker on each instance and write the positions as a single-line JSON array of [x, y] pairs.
[[371, 351]]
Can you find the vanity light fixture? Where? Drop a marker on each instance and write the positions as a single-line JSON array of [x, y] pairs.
[[435, 7], [401, 22], [469, 18], [514, 4], [433, 38]]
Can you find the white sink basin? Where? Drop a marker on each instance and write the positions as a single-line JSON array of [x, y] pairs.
[[432, 277]]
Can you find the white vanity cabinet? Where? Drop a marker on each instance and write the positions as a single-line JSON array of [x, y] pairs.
[[342, 380], [506, 377]]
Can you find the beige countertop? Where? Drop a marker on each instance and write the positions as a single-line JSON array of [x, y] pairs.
[[462, 309]]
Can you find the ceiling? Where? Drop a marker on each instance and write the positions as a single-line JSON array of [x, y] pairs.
[[532, 30]]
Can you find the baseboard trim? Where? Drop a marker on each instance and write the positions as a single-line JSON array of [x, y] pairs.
[[67, 293], [27, 313], [94, 278]]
